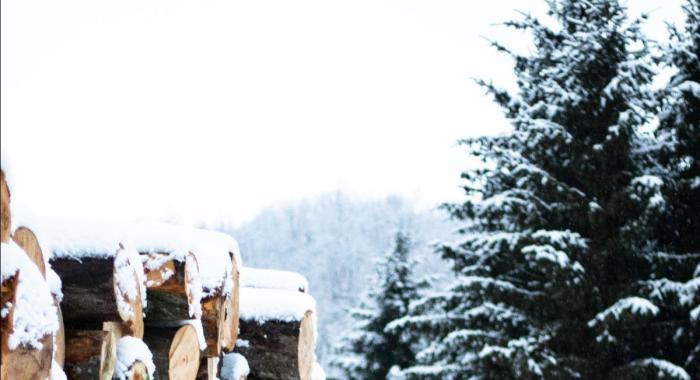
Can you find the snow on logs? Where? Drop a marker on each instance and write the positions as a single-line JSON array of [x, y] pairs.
[[273, 279], [29, 317], [193, 267], [104, 286], [277, 333]]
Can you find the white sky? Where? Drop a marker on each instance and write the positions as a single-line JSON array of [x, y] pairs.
[[208, 111]]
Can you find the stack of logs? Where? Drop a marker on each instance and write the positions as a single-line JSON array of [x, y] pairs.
[[107, 327]]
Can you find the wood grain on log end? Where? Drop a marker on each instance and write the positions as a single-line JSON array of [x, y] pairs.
[[307, 345], [29, 363], [184, 354], [27, 240]]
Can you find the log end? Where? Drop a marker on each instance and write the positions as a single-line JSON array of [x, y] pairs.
[[307, 345], [27, 240], [184, 355]]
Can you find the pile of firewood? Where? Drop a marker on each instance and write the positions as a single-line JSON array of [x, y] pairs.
[[145, 301]]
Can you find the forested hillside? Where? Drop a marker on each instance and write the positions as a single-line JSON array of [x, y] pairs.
[[335, 241]]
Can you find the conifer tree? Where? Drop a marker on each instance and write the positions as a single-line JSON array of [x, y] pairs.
[[368, 351], [554, 256], [678, 229]]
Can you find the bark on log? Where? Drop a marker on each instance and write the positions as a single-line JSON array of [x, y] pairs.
[[92, 292], [5, 218], [170, 294], [278, 350], [91, 354], [8, 293], [176, 352], [213, 323], [232, 310]]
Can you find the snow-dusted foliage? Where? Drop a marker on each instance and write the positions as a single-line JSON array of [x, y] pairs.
[[556, 264], [370, 350], [676, 149]]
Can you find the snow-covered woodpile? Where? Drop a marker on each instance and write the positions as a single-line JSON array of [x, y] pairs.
[[115, 300]]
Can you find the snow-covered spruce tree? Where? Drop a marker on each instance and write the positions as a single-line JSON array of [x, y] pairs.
[[368, 351], [676, 288], [553, 249]]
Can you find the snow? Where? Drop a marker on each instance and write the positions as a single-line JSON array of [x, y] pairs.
[[317, 372], [57, 372], [128, 273], [99, 238], [130, 350], [197, 324], [273, 304], [273, 279], [691, 87], [54, 283], [34, 315], [631, 305], [234, 367], [665, 368]]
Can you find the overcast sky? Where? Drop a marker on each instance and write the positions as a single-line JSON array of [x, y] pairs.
[[209, 111]]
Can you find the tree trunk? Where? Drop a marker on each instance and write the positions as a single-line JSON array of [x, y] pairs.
[[176, 352], [92, 292], [171, 295], [278, 350]]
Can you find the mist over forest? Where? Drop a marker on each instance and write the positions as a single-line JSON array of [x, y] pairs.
[[334, 240]]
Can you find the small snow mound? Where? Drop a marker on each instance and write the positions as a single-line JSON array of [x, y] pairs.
[[57, 372], [129, 351], [234, 367], [317, 372]]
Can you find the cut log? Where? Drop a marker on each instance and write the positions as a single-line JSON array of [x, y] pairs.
[[176, 351], [28, 363], [8, 296], [232, 309], [59, 353], [172, 293], [5, 220], [213, 323], [277, 329], [90, 354], [101, 289], [25, 238], [28, 352]]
